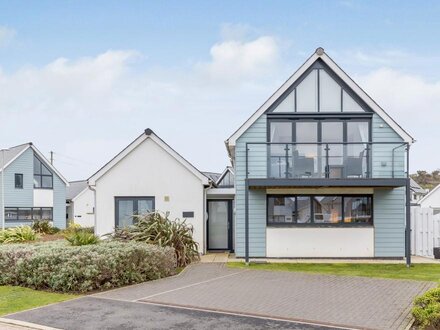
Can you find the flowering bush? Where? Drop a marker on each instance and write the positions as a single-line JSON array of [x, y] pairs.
[[57, 266]]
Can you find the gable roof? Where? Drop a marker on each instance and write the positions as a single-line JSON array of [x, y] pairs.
[[319, 54], [12, 153], [416, 187], [212, 175], [75, 188], [147, 134], [429, 194], [227, 170]]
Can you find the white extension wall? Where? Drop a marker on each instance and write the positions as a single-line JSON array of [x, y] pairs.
[[149, 170], [320, 242], [83, 207]]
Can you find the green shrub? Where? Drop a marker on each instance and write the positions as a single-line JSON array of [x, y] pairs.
[[81, 238], [75, 227], [59, 267], [426, 310], [155, 228], [18, 235], [44, 227]]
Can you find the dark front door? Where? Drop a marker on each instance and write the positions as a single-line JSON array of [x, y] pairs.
[[220, 225]]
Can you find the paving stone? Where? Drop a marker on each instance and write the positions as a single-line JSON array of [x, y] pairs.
[[340, 300]]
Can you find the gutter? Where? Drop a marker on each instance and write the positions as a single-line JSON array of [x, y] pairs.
[[94, 207], [205, 213]]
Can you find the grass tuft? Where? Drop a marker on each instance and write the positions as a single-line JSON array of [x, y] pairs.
[[15, 299]]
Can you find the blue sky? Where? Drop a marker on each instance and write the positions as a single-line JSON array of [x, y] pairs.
[[84, 78]]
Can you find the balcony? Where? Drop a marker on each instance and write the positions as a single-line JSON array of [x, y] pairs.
[[327, 164]]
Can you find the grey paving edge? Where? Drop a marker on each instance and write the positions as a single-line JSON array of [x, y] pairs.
[[25, 324]]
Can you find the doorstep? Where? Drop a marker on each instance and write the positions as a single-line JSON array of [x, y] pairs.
[[210, 257]]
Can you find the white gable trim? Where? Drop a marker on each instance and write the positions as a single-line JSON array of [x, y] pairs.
[[432, 192], [16, 156], [359, 91], [147, 135], [226, 170], [41, 156]]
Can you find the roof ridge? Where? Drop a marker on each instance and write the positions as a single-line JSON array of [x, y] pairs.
[[22, 144]]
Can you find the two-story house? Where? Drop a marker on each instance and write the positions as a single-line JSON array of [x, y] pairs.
[[321, 170], [31, 188]]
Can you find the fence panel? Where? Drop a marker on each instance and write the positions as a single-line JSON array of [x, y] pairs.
[[425, 231]]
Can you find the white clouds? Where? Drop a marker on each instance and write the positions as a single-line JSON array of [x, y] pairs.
[[6, 35], [238, 56], [66, 85], [415, 104], [234, 59], [90, 108]]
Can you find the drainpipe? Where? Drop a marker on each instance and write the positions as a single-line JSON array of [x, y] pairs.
[[3, 189], [408, 213], [205, 201], [94, 208], [246, 212]]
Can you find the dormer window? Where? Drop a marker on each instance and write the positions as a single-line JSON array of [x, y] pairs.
[[43, 178]]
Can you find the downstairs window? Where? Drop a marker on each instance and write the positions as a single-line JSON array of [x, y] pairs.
[[315, 210]]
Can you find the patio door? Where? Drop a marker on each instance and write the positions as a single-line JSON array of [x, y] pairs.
[[219, 225]]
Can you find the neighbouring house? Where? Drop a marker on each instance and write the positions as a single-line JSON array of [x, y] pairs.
[[149, 175], [80, 204], [321, 171], [431, 200], [33, 188], [417, 192]]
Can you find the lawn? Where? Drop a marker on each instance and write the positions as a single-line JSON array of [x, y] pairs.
[[14, 298], [419, 272]]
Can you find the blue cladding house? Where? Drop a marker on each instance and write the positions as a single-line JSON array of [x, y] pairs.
[[321, 170], [33, 188]]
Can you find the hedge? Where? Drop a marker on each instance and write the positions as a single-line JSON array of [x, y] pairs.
[[56, 266], [426, 310]]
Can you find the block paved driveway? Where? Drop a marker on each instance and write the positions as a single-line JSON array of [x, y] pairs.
[[325, 300]]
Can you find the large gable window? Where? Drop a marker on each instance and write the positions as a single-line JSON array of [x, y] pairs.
[[318, 91], [43, 178]]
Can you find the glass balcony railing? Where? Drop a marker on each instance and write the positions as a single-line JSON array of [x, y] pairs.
[[326, 160]]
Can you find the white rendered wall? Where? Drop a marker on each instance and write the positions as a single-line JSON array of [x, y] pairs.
[[150, 171], [83, 209], [432, 200], [43, 198], [319, 242]]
